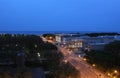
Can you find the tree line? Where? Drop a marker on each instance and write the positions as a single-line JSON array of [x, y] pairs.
[[31, 45], [107, 60], [101, 34]]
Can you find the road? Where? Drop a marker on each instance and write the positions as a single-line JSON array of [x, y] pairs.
[[86, 70]]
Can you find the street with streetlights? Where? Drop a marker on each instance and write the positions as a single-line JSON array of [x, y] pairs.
[[87, 70]]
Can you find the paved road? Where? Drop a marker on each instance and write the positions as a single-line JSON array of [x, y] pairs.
[[86, 70]]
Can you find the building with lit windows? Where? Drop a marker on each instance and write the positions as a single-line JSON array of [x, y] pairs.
[[77, 41]]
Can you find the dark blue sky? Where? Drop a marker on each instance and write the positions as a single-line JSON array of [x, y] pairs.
[[56, 15]]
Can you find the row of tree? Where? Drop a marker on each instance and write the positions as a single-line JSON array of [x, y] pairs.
[[107, 60], [101, 34], [31, 45], [9, 73]]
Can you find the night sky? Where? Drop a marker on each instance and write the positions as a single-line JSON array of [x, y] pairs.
[[60, 15]]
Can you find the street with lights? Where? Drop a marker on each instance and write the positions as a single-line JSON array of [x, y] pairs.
[[86, 70]]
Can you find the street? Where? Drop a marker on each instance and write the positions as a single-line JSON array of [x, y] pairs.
[[86, 70]]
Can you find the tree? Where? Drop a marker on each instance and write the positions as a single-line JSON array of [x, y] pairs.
[[113, 47], [7, 74], [1, 76], [101, 34], [66, 70], [27, 74], [106, 60]]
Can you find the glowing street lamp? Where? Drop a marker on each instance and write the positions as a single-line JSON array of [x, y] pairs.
[[50, 38], [114, 77], [79, 56], [108, 74], [84, 59], [115, 71], [65, 61], [38, 54], [93, 65]]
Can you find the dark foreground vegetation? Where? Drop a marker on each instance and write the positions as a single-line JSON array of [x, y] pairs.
[[36, 54], [64, 70], [107, 60], [49, 36], [15, 73]]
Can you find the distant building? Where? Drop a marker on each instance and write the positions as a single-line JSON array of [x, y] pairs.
[[98, 43], [99, 39], [58, 38], [75, 44], [95, 43], [117, 37], [70, 41]]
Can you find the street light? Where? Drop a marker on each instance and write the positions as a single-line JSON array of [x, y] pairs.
[[84, 59], [38, 54], [79, 56], [108, 74], [50, 37], [65, 61], [114, 77], [93, 65], [115, 71]]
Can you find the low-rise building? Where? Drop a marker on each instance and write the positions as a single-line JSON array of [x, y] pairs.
[[95, 43], [117, 37]]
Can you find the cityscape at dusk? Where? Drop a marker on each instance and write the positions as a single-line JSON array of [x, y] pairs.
[[59, 39], [59, 55]]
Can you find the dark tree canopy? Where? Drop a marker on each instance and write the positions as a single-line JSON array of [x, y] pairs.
[[113, 47], [101, 34], [106, 60], [48, 35]]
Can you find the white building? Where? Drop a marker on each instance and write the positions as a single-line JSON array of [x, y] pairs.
[[85, 41], [58, 38], [70, 41]]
